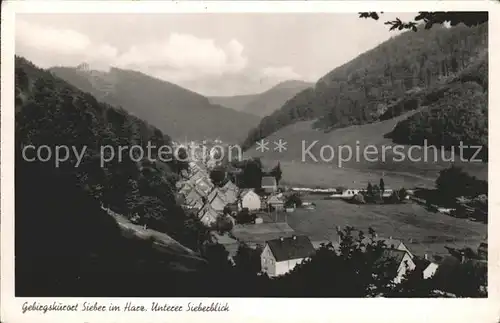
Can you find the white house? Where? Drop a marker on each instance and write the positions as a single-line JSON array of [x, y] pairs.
[[430, 270], [249, 199], [346, 194], [283, 254]]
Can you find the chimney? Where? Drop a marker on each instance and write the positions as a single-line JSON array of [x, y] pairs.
[[426, 257], [294, 237], [282, 239]]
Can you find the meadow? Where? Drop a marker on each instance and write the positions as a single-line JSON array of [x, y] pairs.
[[421, 170], [423, 232]]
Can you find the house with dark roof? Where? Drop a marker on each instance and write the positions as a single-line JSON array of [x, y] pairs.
[[268, 184], [283, 254]]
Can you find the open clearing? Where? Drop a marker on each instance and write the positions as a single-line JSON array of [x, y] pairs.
[[260, 233], [420, 170], [422, 231]]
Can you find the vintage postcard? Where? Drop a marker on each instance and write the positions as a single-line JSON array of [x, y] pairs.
[[249, 161]]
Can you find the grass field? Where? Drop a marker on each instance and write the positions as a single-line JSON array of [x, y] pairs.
[[420, 170], [180, 257], [422, 231], [260, 233]]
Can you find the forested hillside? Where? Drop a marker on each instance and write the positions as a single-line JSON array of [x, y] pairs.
[[169, 107], [264, 103], [53, 113], [399, 75]]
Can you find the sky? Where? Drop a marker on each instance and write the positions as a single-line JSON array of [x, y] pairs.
[[214, 54]]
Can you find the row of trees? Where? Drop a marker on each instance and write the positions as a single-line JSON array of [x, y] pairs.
[[459, 117], [53, 113], [357, 268], [252, 172]]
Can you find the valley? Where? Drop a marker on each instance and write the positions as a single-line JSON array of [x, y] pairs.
[[368, 159]]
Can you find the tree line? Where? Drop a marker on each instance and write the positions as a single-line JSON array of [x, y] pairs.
[[51, 112], [372, 85]]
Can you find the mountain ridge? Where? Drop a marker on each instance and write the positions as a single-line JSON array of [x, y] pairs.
[[264, 103], [387, 80], [184, 113]]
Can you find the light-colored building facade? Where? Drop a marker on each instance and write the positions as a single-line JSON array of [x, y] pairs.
[[250, 200], [281, 255]]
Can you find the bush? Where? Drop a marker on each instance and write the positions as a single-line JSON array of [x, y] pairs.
[[293, 200], [358, 199], [223, 224], [244, 216]]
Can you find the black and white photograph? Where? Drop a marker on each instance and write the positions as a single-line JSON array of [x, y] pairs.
[[249, 154]]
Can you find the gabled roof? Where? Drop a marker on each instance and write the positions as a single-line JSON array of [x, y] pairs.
[[194, 195], [268, 181], [204, 185], [198, 175], [230, 192], [230, 186], [295, 247], [207, 210], [275, 200], [198, 204], [186, 188], [216, 197], [390, 243], [246, 191]]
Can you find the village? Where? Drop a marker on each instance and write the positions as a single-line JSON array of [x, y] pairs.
[[261, 218]]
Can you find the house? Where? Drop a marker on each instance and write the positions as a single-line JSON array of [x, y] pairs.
[[230, 192], [207, 215], [346, 194], [198, 175], [283, 254], [403, 260], [185, 188], [387, 193], [216, 200], [204, 185], [429, 270], [350, 193], [194, 199], [250, 200], [268, 184], [425, 267], [276, 203]]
